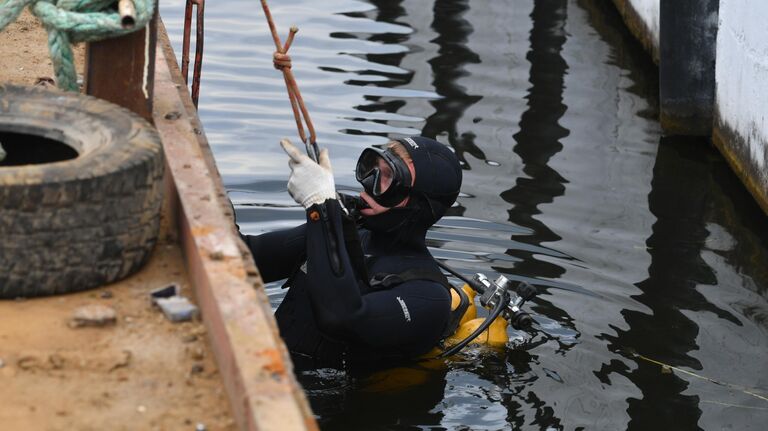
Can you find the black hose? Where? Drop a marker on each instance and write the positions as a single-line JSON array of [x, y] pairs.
[[502, 304]]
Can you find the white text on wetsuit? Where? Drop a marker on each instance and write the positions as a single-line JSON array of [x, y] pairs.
[[405, 309]]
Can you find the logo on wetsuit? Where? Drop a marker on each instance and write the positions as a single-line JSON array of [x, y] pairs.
[[411, 142], [405, 309]]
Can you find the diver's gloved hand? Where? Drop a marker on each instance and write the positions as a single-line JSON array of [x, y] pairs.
[[310, 183]]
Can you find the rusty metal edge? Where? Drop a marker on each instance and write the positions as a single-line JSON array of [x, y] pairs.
[[252, 359]]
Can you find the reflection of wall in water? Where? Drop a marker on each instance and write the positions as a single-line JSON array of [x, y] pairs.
[[540, 133], [666, 333], [454, 54]]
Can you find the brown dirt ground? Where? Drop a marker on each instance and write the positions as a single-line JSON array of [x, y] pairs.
[[143, 373], [24, 52]]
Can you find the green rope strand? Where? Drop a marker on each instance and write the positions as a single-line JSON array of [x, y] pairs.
[[73, 21]]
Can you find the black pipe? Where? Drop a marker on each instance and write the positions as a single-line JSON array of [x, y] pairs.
[[496, 312]]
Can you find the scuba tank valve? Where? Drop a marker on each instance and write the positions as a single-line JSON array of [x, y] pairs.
[[503, 298], [491, 294]]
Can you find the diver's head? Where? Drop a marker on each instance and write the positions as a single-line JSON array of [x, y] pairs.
[[412, 182]]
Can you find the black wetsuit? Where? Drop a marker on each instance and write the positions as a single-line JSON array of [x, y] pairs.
[[331, 316]]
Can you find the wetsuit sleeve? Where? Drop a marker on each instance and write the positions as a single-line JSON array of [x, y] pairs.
[[277, 254], [333, 288], [412, 314], [408, 319]]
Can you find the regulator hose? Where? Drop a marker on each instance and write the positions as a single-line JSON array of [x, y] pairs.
[[497, 310]]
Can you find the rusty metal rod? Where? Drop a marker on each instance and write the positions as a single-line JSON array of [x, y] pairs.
[[294, 95], [185, 41], [291, 35], [200, 37], [127, 11], [199, 42]]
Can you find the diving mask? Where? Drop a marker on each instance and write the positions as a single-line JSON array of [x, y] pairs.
[[384, 176]]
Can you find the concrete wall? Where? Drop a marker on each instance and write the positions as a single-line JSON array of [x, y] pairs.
[[642, 18], [732, 107], [741, 92]]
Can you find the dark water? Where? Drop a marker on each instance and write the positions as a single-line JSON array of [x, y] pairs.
[[644, 248]]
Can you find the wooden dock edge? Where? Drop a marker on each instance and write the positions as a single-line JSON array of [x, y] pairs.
[[253, 361]]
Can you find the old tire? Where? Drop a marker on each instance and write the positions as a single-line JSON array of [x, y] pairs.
[[72, 225]]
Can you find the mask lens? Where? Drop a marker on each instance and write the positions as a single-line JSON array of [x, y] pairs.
[[384, 176], [369, 171]]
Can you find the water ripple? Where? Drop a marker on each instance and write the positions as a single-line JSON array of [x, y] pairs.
[[634, 246]]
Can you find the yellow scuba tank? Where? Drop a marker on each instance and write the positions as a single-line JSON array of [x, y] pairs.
[[499, 296], [495, 335], [471, 312]]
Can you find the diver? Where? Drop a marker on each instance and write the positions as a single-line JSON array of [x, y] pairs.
[[362, 286]]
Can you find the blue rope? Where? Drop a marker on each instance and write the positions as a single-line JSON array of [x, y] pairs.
[[73, 21]]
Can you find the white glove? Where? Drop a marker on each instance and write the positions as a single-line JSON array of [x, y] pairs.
[[310, 183]]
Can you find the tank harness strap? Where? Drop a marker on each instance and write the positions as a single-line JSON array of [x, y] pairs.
[[388, 281]]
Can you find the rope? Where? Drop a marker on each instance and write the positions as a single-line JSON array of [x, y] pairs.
[[748, 391], [282, 62], [73, 21]]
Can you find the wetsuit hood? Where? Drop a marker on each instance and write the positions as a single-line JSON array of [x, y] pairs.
[[437, 184]]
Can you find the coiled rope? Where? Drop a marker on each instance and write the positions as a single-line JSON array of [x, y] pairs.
[[73, 21]]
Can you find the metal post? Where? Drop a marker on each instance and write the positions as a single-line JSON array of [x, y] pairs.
[[122, 70], [687, 39], [200, 37]]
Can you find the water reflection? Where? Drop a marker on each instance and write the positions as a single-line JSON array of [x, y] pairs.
[[538, 140], [540, 134], [448, 67], [382, 400], [682, 204], [676, 270], [552, 107]]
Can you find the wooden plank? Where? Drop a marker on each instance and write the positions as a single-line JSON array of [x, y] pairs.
[[122, 69]]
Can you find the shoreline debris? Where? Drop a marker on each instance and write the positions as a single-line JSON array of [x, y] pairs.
[[93, 315], [175, 307]]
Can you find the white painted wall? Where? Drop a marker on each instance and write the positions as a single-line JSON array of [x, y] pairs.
[[649, 12], [741, 75]]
